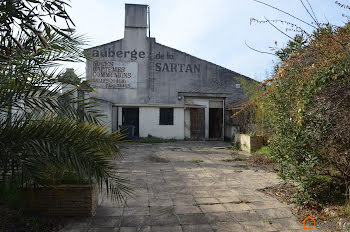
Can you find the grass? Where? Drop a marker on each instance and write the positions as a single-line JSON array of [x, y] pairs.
[[157, 159], [345, 210], [235, 146], [230, 202], [233, 159], [330, 211], [155, 140], [268, 221], [244, 166], [197, 161], [263, 150], [262, 158]]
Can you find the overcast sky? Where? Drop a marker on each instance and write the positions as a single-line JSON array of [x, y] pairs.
[[214, 30]]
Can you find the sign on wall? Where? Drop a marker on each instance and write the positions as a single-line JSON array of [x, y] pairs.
[[114, 75]]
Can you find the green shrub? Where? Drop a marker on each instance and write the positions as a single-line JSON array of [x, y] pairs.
[[155, 140], [235, 146], [252, 133], [307, 114], [264, 150]]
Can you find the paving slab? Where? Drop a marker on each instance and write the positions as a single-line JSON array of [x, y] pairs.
[[173, 192]]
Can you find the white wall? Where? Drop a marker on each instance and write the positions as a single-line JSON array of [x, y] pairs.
[[187, 123], [230, 131], [149, 124], [106, 110]]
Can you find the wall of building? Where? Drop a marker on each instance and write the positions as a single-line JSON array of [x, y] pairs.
[[149, 124], [175, 73], [163, 75], [105, 109], [230, 132], [187, 129]]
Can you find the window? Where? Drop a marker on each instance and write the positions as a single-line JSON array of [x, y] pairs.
[[166, 116]]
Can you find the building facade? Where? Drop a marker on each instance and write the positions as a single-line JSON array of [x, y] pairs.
[[161, 91]]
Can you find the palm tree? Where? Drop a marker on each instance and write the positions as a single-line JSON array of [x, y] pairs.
[[42, 133]]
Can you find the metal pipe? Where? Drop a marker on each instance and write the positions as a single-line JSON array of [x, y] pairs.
[[223, 119], [149, 21]]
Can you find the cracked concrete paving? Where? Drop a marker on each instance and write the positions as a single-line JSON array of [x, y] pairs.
[[186, 186]]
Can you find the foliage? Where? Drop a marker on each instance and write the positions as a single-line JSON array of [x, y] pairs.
[[154, 140], [252, 114], [309, 138], [263, 150], [305, 110], [197, 161], [43, 135], [235, 146], [252, 133]]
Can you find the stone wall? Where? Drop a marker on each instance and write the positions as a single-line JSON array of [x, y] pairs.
[[62, 200]]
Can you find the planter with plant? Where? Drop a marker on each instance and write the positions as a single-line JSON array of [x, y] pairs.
[[49, 138], [249, 142]]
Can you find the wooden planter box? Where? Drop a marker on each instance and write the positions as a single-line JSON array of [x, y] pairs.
[[249, 143], [61, 200]]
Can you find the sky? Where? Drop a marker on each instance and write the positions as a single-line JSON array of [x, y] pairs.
[[213, 30]]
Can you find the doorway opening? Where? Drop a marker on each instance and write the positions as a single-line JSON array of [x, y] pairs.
[[215, 123], [131, 117]]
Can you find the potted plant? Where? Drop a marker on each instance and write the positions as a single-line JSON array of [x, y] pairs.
[[62, 193]]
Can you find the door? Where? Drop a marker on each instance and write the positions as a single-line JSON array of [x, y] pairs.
[[131, 117], [215, 123], [197, 123]]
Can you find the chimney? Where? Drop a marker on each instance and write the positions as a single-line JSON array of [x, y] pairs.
[[135, 19]]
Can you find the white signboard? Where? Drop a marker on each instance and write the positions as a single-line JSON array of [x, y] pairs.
[[114, 75]]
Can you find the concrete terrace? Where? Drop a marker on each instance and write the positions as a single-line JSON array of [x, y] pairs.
[[186, 186]]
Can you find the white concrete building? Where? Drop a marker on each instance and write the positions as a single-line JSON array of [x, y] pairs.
[[159, 90]]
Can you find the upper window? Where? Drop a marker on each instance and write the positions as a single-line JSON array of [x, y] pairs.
[[166, 116]]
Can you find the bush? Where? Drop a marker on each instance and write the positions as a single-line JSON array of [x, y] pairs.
[[307, 113]]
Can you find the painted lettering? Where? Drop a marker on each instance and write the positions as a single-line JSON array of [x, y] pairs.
[[158, 67], [142, 54], [165, 67], [111, 53], [197, 68], [113, 74], [119, 54], [181, 67], [133, 55], [188, 68], [125, 53], [173, 67], [103, 53]]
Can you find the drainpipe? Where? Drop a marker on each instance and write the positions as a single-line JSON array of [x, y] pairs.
[[223, 119]]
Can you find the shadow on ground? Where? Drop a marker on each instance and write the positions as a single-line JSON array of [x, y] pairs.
[[191, 186]]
